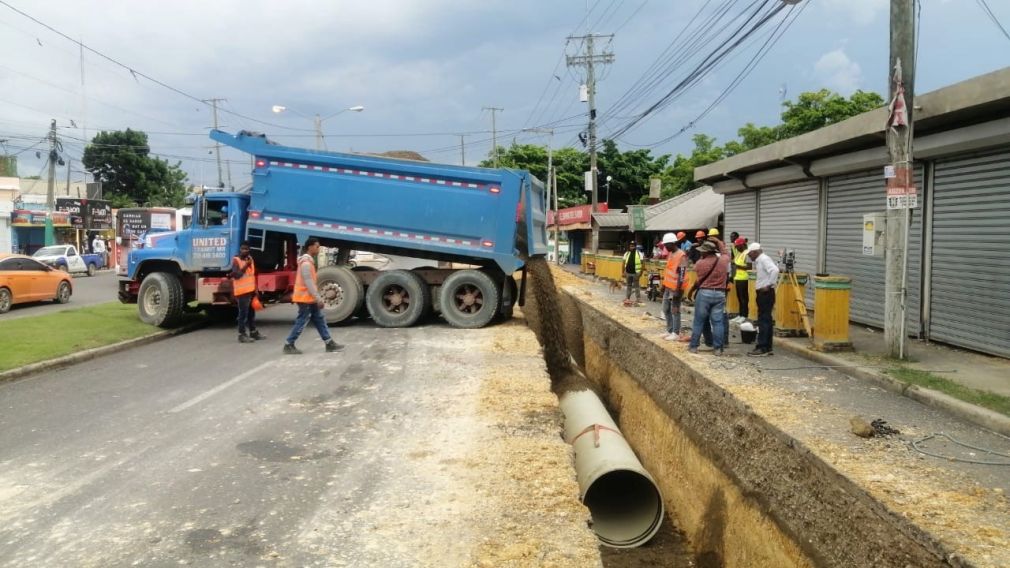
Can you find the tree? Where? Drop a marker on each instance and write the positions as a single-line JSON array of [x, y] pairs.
[[630, 171], [130, 176], [569, 165], [813, 110], [679, 177]]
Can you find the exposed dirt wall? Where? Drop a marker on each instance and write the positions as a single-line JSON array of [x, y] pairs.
[[747, 493]]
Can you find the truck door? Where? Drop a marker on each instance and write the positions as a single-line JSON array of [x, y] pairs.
[[210, 232], [75, 263]]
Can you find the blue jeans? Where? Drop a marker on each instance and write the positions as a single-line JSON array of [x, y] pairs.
[[709, 306], [305, 313], [671, 310]]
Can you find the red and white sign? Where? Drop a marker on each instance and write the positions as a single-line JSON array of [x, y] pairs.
[[574, 215], [901, 190]]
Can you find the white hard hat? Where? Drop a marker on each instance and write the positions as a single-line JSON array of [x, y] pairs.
[[669, 238], [753, 247]]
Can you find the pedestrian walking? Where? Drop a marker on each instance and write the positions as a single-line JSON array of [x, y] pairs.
[[767, 278], [243, 287], [740, 278], [709, 295], [674, 284], [632, 272], [309, 301]]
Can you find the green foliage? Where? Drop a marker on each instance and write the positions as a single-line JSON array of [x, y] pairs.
[[630, 171], [130, 176], [569, 163], [813, 110]]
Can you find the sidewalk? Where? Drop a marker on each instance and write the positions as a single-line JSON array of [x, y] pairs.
[[966, 371]]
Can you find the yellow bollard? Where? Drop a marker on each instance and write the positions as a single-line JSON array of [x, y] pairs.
[[831, 311], [786, 314]]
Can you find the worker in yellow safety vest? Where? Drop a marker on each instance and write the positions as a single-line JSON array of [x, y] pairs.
[[243, 287], [309, 301], [632, 264], [740, 278], [674, 283]]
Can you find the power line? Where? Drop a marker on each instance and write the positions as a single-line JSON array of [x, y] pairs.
[[988, 11]]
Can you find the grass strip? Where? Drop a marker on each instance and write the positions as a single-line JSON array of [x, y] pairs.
[[40, 338], [985, 399]]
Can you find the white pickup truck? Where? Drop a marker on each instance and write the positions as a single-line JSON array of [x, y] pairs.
[[66, 258]]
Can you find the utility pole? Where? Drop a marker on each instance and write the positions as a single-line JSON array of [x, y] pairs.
[[217, 146], [899, 145], [69, 163], [589, 61], [50, 237], [494, 132], [462, 154]]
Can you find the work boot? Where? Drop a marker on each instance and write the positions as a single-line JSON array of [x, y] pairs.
[[243, 338], [255, 334], [333, 346], [290, 349]]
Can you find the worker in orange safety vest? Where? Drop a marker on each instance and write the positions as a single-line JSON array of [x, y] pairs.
[[674, 283], [243, 287], [309, 301]]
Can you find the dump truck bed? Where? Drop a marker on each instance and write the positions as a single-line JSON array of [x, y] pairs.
[[455, 213]]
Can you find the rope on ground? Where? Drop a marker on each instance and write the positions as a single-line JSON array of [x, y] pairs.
[[916, 446]]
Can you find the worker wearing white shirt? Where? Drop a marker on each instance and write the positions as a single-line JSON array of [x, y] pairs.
[[767, 278], [98, 247]]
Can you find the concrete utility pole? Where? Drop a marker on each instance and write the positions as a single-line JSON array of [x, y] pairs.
[[494, 133], [217, 146], [899, 145], [589, 61], [50, 236], [462, 153]]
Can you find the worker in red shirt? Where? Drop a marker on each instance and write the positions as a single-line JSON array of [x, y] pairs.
[[709, 294]]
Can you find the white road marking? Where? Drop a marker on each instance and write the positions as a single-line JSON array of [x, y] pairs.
[[202, 397]]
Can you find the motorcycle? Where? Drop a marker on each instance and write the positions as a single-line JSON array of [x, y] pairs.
[[655, 290]]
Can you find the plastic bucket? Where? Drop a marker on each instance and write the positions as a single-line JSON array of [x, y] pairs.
[[748, 336]]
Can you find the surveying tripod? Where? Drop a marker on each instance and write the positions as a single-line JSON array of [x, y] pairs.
[[789, 261]]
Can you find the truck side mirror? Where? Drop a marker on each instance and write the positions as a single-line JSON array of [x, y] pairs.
[[202, 211]]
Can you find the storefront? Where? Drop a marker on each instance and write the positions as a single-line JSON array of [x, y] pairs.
[[575, 224], [28, 229]]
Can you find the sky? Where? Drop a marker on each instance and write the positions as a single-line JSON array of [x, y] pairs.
[[425, 69]]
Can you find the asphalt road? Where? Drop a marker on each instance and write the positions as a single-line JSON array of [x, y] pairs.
[[88, 290], [198, 450]]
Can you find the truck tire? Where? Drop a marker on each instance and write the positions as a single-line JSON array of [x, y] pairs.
[[398, 298], [160, 300], [505, 312], [92, 269], [63, 292], [342, 292], [469, 299]]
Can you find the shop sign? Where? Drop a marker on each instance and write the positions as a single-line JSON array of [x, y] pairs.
[[573, 215], [91, 214], [27, 218]]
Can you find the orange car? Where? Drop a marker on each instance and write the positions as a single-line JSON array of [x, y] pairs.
[[24, 279]]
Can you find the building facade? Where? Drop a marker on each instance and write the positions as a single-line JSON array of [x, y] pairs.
[[810, 193]]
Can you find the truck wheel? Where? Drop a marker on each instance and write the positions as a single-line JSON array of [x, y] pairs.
[[510, 294], [398, 298], [469, 299], [342, 292], [92, 269], [62, 293], [6, 300], [161, 300]]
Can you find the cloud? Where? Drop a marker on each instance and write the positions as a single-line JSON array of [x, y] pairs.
[[861, 12], [838, 72]]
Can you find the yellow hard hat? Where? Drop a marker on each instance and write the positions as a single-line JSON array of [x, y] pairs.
[[713, 232]]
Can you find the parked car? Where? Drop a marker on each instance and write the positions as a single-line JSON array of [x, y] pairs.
[[66, 258], [24, 279]]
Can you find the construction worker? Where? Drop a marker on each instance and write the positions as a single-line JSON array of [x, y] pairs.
[[767, 277], [632, 264], [740, 262], [709, 295], [310, 303], [674, 283], [243, 287]]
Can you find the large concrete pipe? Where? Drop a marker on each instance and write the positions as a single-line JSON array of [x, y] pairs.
[[622, 497]]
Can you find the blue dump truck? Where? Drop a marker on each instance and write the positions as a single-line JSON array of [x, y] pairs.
[[478, 226]]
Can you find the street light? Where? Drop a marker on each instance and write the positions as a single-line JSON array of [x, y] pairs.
[[607, 185], [317, 121]]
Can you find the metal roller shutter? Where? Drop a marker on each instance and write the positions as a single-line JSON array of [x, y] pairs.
[[849, 197], [970, 299], [740, 213], [788, 221]]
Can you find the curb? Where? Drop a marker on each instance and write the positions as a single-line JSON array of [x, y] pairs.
[[94, 353], [966, 411]]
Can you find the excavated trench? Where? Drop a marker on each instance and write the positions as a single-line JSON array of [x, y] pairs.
[[737, 490]]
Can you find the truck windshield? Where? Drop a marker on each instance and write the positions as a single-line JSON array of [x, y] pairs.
[[50, 251]]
